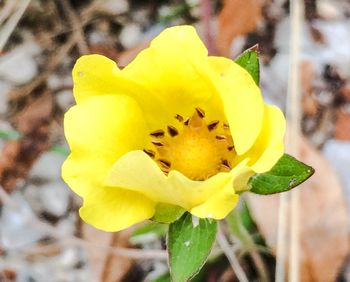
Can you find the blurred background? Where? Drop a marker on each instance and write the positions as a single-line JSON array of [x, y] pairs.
[[41, 236]]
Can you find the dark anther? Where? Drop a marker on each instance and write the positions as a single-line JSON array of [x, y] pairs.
[[225, 126], [186, 122], [158, 143], [179, 117], [226, 164], [150, 153], [157, 133], [220, 137], [230, 148], [200, 112], [212, 125], [172, 131], [166, 164]]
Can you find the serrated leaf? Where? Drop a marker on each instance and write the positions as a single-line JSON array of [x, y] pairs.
[[189, 244], [286, 174], [249, 60]]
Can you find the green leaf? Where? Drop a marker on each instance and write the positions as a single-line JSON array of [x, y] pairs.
[[166, 213], [189, 244], [163, 278], [287, 173], [249, 60]]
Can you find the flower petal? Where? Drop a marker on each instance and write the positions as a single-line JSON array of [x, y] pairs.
[[243, 104], [99, 130], [269, 146], [114, 209], [96, 75], [221, 203], [177, 189], [175, 71], [130, 170]]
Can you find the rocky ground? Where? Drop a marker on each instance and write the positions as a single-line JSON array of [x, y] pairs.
[[41, 236]]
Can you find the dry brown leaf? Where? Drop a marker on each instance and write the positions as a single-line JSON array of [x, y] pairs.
[[127, 56], [307, 75], [345, 92], [323, 223], [342, 125], [107, 267], [17, 157], [237, 17]]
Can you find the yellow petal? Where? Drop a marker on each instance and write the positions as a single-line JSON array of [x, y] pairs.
[[224, 201], [114, 209], [269, 146], [219, 205], [138, 172], [175, 71], [242, 100], [99, 130], [95, 75]]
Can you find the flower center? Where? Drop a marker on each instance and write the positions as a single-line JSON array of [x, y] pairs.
[[197, 149]]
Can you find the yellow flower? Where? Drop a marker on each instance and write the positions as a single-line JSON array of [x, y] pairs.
[[176, 128]]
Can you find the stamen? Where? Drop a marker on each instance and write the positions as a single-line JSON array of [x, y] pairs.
[[230, 148], [157, 133], [150, 153], [186, 122], [179, 117], [212, 125], [158, 143], [225, 163], [220, 137], [172, 131], [166, 164], [200, 112], [225, 126]]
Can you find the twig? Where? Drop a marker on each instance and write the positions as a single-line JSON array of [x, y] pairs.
[[54, 61], [225, 246], [6, 10], [12, 23], [281, 238], [78, 27], [294, 115]]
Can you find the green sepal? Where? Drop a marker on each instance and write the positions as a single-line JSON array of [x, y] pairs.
[[190, 241], [166, 213], [249, 60], [286, 174]]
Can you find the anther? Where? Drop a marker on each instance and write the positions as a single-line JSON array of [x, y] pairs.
[[157, 133], [179, 117], [172, 131], [212, 125], [158, 143], [166, 164], [187, 121], [230, 148], [225, 163], [200, 112], [225, 126], [150, 153], [220, 137]]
